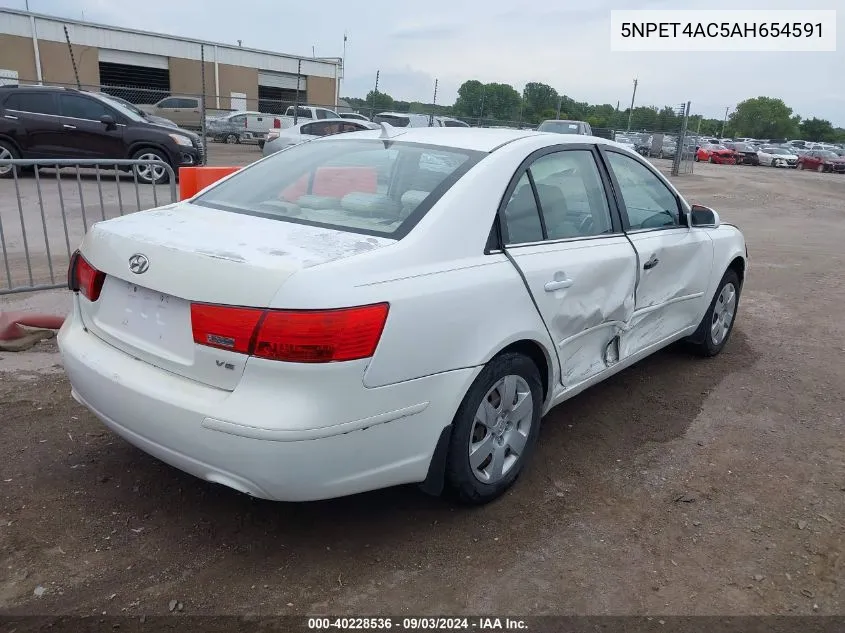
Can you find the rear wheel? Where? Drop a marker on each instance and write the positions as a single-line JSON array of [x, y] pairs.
[[801, 166], [151, 174], [231, 139], [7, 152], [715, 328], [820, 168], [495, 429]]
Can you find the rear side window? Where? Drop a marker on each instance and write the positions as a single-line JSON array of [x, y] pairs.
[[171, 102], [360, 186], [82, 107], [36, 102]]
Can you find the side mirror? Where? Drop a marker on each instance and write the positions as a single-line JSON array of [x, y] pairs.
[[108, 121], [704, 217]]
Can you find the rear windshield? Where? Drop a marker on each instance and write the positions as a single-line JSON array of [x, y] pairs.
[[560, 127], [374, 187], [395, 121]]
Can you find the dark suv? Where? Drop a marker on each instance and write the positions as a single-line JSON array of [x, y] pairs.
[[61, 123]]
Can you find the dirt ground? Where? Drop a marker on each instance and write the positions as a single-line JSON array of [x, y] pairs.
[[680, 486]]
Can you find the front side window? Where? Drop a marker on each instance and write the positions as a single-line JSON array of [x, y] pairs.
[[171, 102], [357, 185], [650, 204], [83, 108], [188, 103]]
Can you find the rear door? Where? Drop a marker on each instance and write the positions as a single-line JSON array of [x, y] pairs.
[[674, 261], [566, 239], [86, 133], [38, 127]]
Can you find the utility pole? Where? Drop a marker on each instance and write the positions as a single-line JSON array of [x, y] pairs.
[[72, 60], [342, 66], [433, 104], [725, 122], [375, 94], [202, 105], [481, 114], [298, 82], [559, 104], [631, 111]]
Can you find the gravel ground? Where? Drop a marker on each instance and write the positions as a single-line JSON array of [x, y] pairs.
[[679, 486]]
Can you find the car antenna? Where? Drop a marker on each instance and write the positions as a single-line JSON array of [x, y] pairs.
[[385, 129]]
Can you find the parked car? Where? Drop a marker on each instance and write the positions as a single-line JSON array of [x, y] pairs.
[[718, 154], [746, 153], [52, 122], [362, 333], [279, 139], [158, 120], [777, 157], [561, 126], [355, 116], [186, 112], [447, 121], [822, 160], [240, 127]]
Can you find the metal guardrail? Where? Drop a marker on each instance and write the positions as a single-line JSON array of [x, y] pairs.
[[47, 213]]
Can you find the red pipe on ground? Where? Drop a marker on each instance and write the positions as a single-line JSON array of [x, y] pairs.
[[11, 322]]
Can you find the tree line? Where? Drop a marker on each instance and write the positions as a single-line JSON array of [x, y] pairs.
[[491, 103]]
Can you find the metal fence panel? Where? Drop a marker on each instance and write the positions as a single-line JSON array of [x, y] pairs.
[[47, 206]]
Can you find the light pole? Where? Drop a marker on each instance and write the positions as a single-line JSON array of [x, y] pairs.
[[725, 122]]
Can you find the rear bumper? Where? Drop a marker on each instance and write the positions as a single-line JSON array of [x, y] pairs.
[[267, 438]]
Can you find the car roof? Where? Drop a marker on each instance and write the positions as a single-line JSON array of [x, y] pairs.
[[472, 139]]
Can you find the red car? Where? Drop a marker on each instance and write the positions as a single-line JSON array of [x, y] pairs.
[[822, 160], [718, 154]]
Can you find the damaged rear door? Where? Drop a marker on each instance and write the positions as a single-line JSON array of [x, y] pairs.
[[579, 267]]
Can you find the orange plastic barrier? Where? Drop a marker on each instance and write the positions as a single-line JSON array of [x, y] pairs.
[[195, 179]]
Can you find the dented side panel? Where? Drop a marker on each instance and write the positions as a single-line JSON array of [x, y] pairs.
[[585, 292], [672, 292]]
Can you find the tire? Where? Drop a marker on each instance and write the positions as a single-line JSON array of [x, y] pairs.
[[151, 174], [801, 166], [820, 169], [712, 161], [465, 478], [8, 152], [695, 158], [708, 340], [232, 139]]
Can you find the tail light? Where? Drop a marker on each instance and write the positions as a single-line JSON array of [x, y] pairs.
[[296, 336], [82, 277], [277, 123]]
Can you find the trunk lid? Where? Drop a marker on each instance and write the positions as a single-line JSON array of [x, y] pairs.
[[185, 253]]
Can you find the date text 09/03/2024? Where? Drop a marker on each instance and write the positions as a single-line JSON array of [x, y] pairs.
[[721, 29], [418, 624]]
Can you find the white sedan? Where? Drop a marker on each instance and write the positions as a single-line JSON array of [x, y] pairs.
[[390, 307], [280, 138], [777, 157]]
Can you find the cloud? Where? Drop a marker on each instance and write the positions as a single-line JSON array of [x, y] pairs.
[[568, 47]]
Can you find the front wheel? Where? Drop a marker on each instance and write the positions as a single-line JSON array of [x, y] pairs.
[[715, 328], [151, 174], [820, 169], [495, 429]]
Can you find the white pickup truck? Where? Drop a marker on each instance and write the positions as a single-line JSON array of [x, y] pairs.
[[303, 113]]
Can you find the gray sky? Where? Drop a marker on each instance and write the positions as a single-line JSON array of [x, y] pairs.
[[412, 43]]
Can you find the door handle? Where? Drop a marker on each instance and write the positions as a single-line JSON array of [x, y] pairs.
[[651, 263], [69, 127], [558, 284]]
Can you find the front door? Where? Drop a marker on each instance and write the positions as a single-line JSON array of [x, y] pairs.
[[579, 267], [674, 261], [86, 133]]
